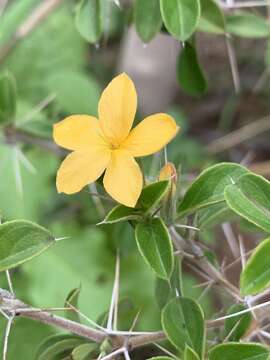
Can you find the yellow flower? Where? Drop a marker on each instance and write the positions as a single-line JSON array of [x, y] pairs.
[[109, 144]]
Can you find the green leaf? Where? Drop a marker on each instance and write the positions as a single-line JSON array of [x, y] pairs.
[[147, 18], [20, 241], [150, 197], [249, 197], [152, 194], [236, 327], [155, 246], [236, 351], [214, 215], [189, 73], [76, 93], [180, 17], [208, 188], [88, 20], [212, 18], [57, 345], [121, 213], [255, 276], [183, 322], [72, 299], [248, 25], [83, 351], [190, 354], [8, 94]]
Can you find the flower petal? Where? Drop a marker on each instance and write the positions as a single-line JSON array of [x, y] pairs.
[[78, 131], [81, 168], [117, 108], [123, 178], [151, 135]]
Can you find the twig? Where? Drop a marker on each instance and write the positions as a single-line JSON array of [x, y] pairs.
[[7, 332], [239, 136], [35, 18], [233, 64]]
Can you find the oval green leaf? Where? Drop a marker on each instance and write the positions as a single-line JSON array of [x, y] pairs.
[[189, 72], [249, 197], [88, 20], [183, 322], [147, 18], [238, 351], [212, 19], [248, 25], [180, 17], [255, 276], [83, 351], [20, 241], [154, 243], [208, 188], [236, 327]]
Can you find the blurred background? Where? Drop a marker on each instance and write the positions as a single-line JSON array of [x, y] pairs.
[[60, 66]]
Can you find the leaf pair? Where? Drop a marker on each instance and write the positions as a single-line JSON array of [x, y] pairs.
[[152, 236]]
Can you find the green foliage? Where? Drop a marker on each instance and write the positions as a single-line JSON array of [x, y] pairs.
[[75, 93], [150, 197], [235, 327], [8, 95], [72, 299], [255, 276], [57, 346], [154, 243], [83, 351], [238, 351], [247, 25], [183, 323], [249, 198], [89, 20], [208, 188], [190, 354], [20, 241], [212, 19], [147, 18], [180, 17], [189, 73]]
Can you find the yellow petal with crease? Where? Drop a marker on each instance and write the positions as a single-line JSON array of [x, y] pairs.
[[123, 178], [117, 108], [151, 135], [81, 168], [78, 131]]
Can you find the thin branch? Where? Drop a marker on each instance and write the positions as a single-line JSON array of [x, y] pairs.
[[6, 337], [39, 14], [239, 136]]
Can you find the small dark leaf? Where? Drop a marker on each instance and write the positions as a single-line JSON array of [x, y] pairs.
[[189, 72], [152, 194], [121, 213]]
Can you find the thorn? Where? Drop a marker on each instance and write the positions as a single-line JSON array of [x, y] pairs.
[[112, 317], [9, 282], [62, 238]]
